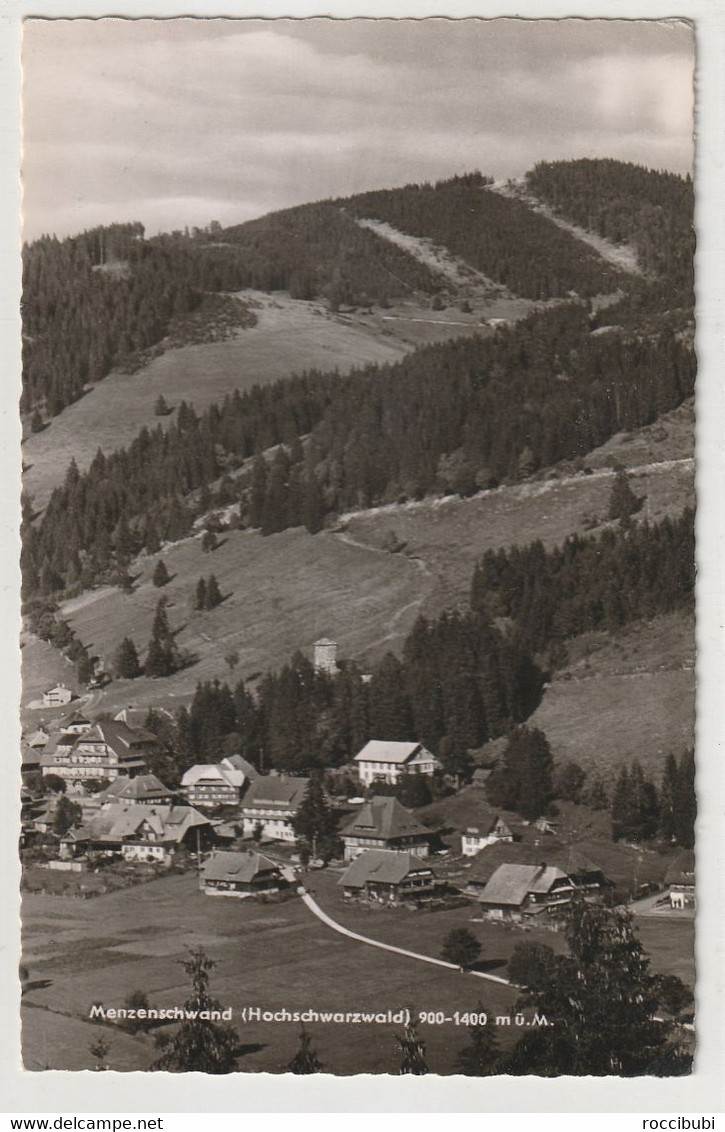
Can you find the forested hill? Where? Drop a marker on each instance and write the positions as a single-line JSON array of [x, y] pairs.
[[626, 203], [499, 236], [493, 409], [94, 301]]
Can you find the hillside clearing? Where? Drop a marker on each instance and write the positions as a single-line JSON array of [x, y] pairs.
[[289, 589], [620, 255], [290, 336]]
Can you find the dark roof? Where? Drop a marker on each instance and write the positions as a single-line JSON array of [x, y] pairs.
[[239, 763], [510, 884], [118, 736], [384, 865], [243, 867], [514, 853], [276, 790], [384, 817], [135, 789], [170, 823]]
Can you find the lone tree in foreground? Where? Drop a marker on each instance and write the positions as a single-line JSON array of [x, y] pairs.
[[600, 1002], [413, 1051], [461, 947], [200, 1044], [480, 1058], [305, 1060]]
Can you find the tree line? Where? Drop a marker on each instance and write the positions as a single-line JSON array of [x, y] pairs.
[[482, 410], [604, 582], [640, 812]]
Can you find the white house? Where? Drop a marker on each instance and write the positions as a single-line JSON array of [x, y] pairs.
[[270, 804], [477, 838], [217, 784], [385, 761], [58, 696]]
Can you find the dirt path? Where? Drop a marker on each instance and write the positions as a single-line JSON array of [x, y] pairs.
[[316, 910]]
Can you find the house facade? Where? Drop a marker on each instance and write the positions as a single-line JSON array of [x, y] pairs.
[[490, 832], [213, 785], [143, 790], [382, 823], [270, 805], [388, 877], [148, 834], [240, 874], [384, 761], [59, 696], [518, 891], [106, 750]]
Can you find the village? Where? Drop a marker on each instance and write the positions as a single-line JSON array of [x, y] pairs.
[[91, 809]]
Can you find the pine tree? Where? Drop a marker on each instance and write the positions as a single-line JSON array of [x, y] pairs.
[[480, 1058], [213, 593], [162, 657], [623, 503], [305, 1060], [200, 594], [315, 823], [200, 1045], [686, 801], [126, 663], [668, 799], [161, 574], [412, 1048], [602, 1000]]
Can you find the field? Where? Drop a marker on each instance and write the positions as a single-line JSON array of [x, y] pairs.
[[81, 952], [624, 699]]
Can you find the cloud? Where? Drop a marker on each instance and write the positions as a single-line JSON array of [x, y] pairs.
[[173, 122]]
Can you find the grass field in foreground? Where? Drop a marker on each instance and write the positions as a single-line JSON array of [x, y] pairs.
[[268, 955]]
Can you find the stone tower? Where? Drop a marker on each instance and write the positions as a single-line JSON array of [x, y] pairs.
[[325, 658]]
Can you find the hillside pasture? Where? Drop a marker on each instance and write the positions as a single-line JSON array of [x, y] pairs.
[[290, 337], [281, 594]]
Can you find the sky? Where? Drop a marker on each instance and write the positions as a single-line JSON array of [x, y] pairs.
[[179, 122]]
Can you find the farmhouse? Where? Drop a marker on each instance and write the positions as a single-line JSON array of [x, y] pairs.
[[488, 833], [680, 880], [240, 874], [270, 804], [388, 877], [131, 716], [106, 750], [143, 790], [148, 833], [76, 725], [58, 696], [382, 823], [518, 890], [385, 761], [218, 784], [585, 874], [38, 739]]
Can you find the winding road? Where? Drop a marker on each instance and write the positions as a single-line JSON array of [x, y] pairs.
[[314, 907]]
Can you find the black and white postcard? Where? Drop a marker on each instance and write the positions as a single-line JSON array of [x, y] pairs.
[[358, 547]]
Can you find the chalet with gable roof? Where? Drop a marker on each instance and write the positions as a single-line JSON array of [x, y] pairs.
[[386, 761], [148, 833], [77, 725], [143, 790], [240, 874], [491, 831], [59, 696], [518, 891], [38, 739], [585, 874], [388, 877], [270, 804], [212, 785], [131, 716], [106, 750], [382, 823]]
